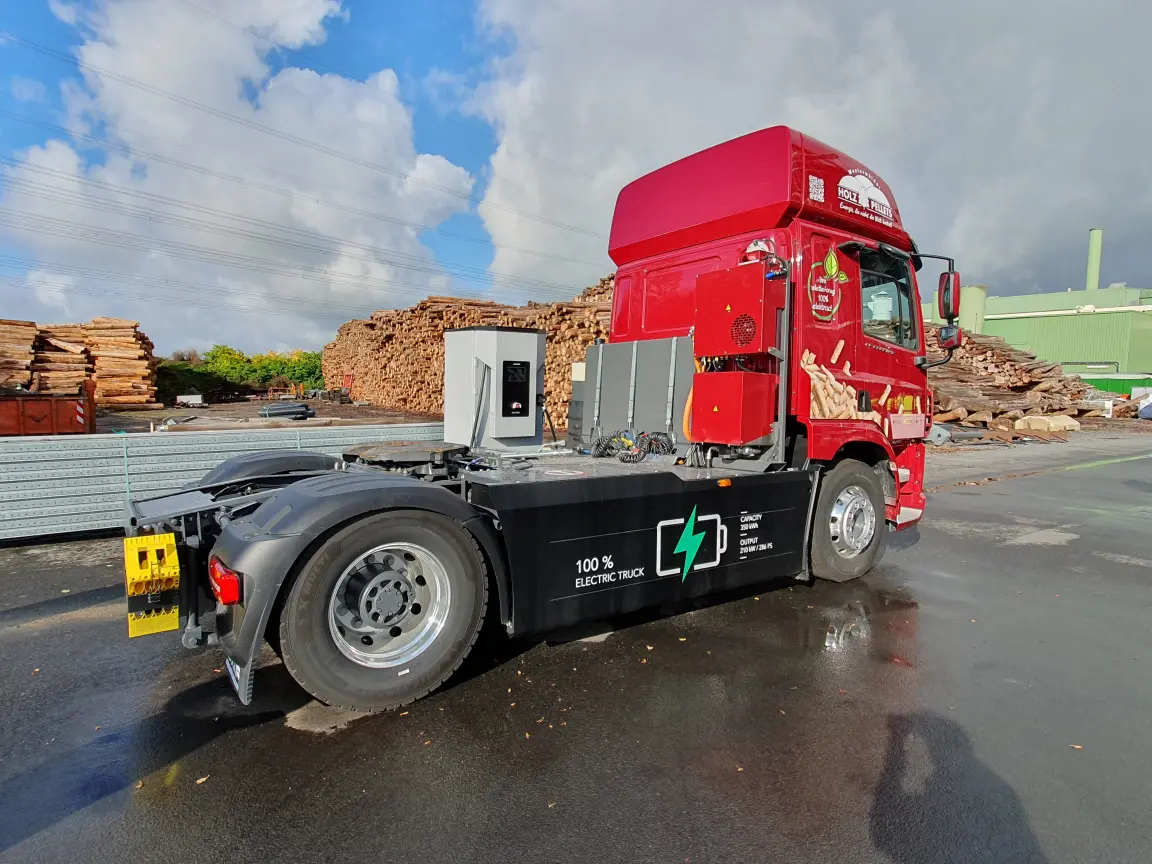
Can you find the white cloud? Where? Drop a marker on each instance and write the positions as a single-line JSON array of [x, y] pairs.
[[1004, 129], [301, 288], [27, 90], [51, 289], [66, 12]]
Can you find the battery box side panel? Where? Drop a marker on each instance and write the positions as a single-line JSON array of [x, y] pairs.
[[596, 547]]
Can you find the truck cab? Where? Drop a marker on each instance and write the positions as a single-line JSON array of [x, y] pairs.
[[839, 277]]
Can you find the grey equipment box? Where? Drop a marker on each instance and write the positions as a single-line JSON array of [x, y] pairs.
[[494, 387], [636, 386]]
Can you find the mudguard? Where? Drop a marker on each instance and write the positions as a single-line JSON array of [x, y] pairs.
[[266, 546], [264, 464]]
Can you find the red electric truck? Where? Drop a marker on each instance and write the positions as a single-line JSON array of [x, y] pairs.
[[800, 443]]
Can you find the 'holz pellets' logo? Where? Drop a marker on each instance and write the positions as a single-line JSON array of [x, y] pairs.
[[688, 545]]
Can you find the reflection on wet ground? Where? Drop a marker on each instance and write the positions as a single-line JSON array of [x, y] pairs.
[[928, 713]]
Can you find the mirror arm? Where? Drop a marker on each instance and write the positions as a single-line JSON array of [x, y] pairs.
[[925, 363]]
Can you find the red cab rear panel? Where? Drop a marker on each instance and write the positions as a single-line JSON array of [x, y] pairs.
[[732, 407], [738, 311]]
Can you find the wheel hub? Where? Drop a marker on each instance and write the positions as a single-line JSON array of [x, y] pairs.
[[852, 522], [388, 605], [385, 598]]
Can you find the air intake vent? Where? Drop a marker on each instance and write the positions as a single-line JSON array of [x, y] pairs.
[[743, 330]]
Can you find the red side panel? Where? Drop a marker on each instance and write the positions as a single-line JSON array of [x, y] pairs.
[[732, 407], [737, 311]]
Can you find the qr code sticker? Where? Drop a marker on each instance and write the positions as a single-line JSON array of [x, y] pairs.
[[816, 188]]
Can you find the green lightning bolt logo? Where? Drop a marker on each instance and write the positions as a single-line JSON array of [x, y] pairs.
[[689, 544]]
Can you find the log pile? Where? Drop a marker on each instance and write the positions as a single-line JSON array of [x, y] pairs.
[[990, 383], [16, 341], [62, 362], [123, 366], [396, 357]]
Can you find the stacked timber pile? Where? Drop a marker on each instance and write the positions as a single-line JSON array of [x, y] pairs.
[[16, 341], [396, 357], [123, 366], [990, 383], [62, 362], [601, 292]]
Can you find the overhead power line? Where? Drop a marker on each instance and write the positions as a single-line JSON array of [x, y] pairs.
[[348, 310], [285, 136], [280, 190], [16, 282], [339, 246], [47, 225]]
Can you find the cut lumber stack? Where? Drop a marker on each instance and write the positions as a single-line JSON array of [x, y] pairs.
[[396, 357], [123, 366], [62, 361], [990, 383], [16, 341]]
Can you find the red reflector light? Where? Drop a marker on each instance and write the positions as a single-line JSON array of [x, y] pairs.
[[225, 582]]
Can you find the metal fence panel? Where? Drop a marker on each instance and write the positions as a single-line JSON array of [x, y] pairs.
[[60, 484]]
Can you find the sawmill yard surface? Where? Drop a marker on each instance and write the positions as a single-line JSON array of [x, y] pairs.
[[230, 412], [980, 691]]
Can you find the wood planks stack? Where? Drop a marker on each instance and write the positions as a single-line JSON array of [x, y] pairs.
[[123, 366], [62, 362], [396, 357], [990, 383], [16, 341]]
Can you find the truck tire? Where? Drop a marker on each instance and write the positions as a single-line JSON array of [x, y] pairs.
[[848, 528], [385, 610]]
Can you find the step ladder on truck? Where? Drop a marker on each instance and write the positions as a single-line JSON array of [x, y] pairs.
[[757, 415]]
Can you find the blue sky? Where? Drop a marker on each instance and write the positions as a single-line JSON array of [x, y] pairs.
[[435, 51], [412, 37]]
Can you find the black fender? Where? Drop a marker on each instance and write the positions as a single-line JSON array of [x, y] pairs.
[[268, 545], [264, 464]]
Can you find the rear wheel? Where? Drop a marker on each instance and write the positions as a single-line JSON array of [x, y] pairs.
[[848, 528], [385, 611]]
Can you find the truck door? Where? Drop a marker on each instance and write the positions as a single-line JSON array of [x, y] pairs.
[[827, 314], [890, 335]]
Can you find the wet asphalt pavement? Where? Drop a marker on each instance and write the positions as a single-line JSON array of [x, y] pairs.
[[984, 695]]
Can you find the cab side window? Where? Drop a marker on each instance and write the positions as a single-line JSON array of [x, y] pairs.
[[889, 307]]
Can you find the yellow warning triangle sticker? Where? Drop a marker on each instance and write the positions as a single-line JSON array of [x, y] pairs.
[[728, 308], [715, 409]]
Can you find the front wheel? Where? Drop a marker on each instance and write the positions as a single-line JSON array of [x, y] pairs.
[[385, 611], [848, 528]]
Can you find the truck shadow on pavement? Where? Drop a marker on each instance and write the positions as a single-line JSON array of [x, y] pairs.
[[962, 812], [111, 764]]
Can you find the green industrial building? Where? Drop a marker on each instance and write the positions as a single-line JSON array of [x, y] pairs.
[[1102, 334]]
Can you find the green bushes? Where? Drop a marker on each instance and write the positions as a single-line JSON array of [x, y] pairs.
[[263, 370]]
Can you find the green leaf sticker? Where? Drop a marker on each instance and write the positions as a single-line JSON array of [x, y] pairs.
[[831, 265], [843, 276]]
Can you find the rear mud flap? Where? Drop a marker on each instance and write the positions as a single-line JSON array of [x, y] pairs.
[[241, 678]]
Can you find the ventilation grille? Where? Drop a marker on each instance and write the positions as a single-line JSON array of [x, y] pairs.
[[743, 330]]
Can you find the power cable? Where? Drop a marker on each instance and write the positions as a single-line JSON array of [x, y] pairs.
[[340, 247], [277, 133], [279, 190]]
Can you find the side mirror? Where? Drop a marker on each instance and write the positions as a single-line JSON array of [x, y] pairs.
[[950, 335], [948, 296]]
